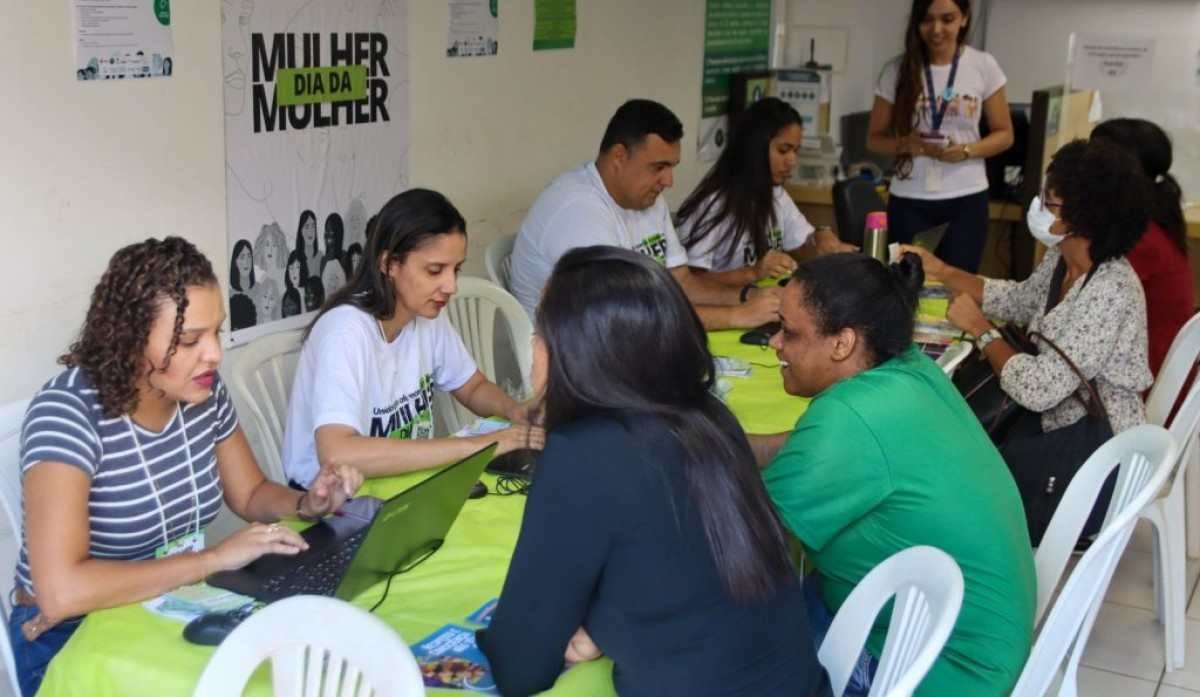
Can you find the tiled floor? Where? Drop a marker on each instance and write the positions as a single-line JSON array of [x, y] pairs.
[[1124, 657]]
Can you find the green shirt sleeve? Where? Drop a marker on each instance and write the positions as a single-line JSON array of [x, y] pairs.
[[829, 474]]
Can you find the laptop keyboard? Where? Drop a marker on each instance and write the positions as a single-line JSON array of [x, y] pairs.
[[316, 576]]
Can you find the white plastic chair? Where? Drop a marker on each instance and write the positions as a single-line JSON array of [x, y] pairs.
[[498, 260], [928, 589], [1145, 454], [259, 377], [473, 311], [12, 416], [954, 356], [1167, 513], [318, 647]]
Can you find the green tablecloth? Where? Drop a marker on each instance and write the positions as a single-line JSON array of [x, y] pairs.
[[131, 651]]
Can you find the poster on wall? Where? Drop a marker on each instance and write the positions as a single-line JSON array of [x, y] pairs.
[[474, 28], [316, 140], [737, 38], [553, 24], [122, 39], [1111, 63]]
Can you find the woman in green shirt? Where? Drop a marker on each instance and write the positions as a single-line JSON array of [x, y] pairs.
[[889, 456]]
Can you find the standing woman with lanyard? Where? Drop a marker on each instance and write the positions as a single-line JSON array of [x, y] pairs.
[[927, 108]]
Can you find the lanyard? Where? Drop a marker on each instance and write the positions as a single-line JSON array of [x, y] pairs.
[[162, 506], [936, 114]]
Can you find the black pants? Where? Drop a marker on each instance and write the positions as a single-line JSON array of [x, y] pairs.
[[968, 217]]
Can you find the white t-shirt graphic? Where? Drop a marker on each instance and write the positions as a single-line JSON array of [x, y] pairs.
[[791, 231], [978, 78], [348, 375], [575, 210]]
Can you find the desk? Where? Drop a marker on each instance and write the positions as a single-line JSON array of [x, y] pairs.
[[128, 650]]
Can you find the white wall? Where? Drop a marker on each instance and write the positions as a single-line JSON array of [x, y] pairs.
[[88, 167], [1029, 40], [874, 31]]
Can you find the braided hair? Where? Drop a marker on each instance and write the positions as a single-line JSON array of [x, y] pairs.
[[112, 342]]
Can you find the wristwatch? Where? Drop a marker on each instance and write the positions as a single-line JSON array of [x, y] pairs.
[[986, 338]]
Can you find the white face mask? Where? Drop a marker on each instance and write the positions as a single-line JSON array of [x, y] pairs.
[[1039, 220]]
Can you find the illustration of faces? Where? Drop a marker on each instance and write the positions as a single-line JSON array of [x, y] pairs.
[[297, 274], [334, 234], [354, 258], [314, 294], [241, 267], [235, 50], [356, 223], [166, 66], [266, 301], [270, 249], [333, 276]]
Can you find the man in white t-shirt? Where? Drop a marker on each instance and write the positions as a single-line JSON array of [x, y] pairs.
[[616, 200]]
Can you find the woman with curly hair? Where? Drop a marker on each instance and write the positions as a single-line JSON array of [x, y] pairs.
[[128, 454], [1084, 297], [928, 104]]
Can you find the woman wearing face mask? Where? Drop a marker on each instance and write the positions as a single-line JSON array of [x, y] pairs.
[[1092, 211], [927, 109], [1160, 258], [128, 454], [739, 224], [371, 360]]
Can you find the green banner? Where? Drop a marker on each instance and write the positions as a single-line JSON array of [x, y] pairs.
[[553, 24], [737, 38], [162, 11], [341, 83]]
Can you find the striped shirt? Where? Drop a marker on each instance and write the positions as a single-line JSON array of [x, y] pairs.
[[147, 488]]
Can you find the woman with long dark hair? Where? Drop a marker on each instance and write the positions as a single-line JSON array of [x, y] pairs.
[[128, 454], [648, 534], [739, 224], [295, 280], [371, 360], [1160, 258], [306, 242], [889, 456], [928, 104]]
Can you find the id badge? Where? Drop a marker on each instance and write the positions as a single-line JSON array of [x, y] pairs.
[[191, 542], [933, 176], [935, 138]]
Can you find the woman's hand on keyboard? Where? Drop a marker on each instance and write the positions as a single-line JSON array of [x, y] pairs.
[[517, 437], [250, 543]]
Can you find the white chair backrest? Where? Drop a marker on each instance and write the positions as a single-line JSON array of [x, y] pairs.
[[1140, 453], [318, 647], [473, 311], [12, 416], [954, 356], [1146, 455], [928, 589], [1184, 351], [259, 377], [498, 259]]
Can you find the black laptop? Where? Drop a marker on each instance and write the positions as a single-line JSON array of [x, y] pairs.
[[370, 540]]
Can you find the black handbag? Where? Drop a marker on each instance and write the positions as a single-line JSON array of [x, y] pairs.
[[980, 386], [1044, 463]]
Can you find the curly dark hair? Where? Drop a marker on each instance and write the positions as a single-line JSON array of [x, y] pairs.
[[1105, 196], [124, 305]]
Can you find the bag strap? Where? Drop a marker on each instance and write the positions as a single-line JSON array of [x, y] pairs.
[[1056, 280], [1095, 407]]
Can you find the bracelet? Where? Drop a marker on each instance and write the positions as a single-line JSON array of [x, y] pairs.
[[300, 512], [745, 292]]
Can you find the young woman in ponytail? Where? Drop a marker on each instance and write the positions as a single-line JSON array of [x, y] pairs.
[[647, 535], [889, 456], [1160, 257], [928, 104]]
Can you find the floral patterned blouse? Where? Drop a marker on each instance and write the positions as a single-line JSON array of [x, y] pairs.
[[1100, 324]]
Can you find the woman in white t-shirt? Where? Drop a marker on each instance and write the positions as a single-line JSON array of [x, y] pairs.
[[928, 104], [739, 224], [363, 392]]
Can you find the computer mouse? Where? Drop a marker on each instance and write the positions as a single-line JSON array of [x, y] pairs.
[[478, 491], [211, 629], [761, 335]]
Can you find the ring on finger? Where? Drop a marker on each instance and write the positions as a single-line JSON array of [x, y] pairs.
[[272, 528]]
